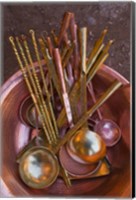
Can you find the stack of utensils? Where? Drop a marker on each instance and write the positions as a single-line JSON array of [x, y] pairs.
[[59, 94]]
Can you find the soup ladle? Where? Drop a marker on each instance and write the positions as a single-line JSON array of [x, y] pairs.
[[90, 147], [43, 162], [106, 128]]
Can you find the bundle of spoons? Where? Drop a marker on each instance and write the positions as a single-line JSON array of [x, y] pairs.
[[69, 73]]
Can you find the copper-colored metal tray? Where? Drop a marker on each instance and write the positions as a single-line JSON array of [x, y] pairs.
[[15, 136]]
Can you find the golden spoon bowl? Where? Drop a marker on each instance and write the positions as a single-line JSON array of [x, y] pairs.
[[38, 167], [86, 146]]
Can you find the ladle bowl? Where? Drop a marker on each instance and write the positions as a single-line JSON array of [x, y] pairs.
[[86, 146], [106, 128], [38, 167], [109, 131]]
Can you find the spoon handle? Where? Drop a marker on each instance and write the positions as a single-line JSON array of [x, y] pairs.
[[101, 59], [115, 85], [61, 118], [83, 48], [91, 91], [64, 27], [66, 101], [74, 36], [96, 50], [28, 84]]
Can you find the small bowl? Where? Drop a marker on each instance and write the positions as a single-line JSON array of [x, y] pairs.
[[75, 168]]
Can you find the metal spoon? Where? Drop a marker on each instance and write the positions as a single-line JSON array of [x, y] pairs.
[[34, 157], [83, 133], [106, 128], [39, 167], [85, 145], [114, 86], [88, 144]]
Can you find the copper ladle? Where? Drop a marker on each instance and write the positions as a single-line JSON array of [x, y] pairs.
[[85, 145], [106, 128]]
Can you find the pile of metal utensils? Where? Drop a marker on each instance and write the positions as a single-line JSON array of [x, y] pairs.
[[67, 77]]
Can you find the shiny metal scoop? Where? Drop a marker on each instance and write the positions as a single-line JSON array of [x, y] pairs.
[[38, 167], [86, 146]]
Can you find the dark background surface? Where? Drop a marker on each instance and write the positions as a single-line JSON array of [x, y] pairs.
[[19, 18]]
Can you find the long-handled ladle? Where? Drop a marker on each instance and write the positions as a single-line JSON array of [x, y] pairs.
[[97, 148], [34, 168], [87, 139], [106, 128], [38, 163], [76, 143], [64, 172]]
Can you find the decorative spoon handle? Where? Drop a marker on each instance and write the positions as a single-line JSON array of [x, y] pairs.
[[30, 89]]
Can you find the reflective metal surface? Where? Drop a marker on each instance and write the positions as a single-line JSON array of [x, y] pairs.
[[15, 135], [39, 167], [109, 131], [32, 117], [87, 145]]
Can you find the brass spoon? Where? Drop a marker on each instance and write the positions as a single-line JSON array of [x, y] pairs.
[[26, 160], [106, 128], [88, 144], [39, 167]]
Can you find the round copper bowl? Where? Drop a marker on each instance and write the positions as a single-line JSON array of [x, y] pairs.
[[75, 168], [15, 136]]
